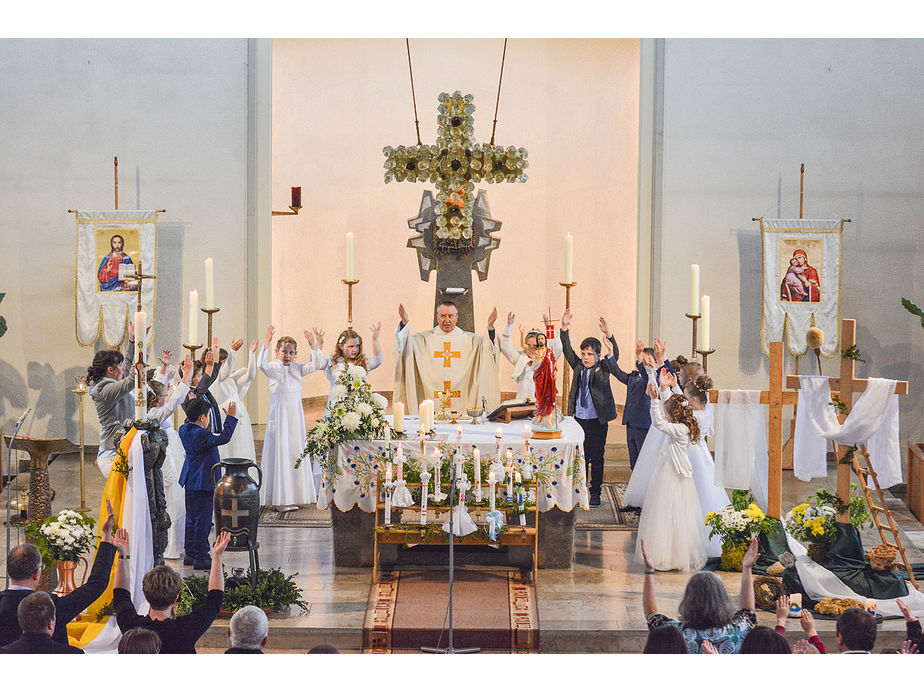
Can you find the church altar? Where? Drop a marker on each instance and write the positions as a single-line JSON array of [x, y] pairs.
[[349, 483]]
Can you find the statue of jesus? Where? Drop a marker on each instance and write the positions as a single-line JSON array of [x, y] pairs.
[[445, 359]]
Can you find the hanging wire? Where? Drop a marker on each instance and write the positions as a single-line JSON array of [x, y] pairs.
[[497, 105], [413, 95]]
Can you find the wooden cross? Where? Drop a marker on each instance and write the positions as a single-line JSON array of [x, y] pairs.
[[139, 276], [447, 354], [776, 397], [234, 512], [845, 386], [447, 390]]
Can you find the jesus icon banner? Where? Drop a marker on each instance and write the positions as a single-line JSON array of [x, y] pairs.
[[801, 259], [111, 245]]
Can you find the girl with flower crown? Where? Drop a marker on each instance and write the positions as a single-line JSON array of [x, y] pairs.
[[349, 352], [671, 524]]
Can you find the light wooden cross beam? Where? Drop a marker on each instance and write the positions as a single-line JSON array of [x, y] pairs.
[[845, 386], [775, 397]]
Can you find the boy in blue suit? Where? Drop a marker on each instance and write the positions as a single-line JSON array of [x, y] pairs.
[[201, 447]]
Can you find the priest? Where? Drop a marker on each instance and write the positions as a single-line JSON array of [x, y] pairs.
[[446, 362]]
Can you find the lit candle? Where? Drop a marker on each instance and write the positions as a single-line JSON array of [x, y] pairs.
[[193, 317], [349, 256], [209, 283], [569, 258], [509, 474], [492, 482], [388, 472], [141, 333], [704, 329], [476, 453], [694, 289], [424, 490], [399, 417]]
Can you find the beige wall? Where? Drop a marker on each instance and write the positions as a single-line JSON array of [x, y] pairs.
[[573, 104]]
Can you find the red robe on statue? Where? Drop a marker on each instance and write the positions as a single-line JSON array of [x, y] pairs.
[[546, 390]]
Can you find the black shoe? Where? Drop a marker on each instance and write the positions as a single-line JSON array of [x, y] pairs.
[[595, 501], [207, 565]]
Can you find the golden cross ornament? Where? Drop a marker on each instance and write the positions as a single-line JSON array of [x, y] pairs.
[[447, 354], [454, 164]]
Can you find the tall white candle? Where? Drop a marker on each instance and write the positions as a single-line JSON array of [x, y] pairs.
[[209, 283], [399, 461], [141, 334], [509, 473], [387, 439], [399, 416], [704, 328], [193, 317], [438, 465], [492, 482], [694, 289], [476, 453], [349, 256], [424, 490], [569, 258]]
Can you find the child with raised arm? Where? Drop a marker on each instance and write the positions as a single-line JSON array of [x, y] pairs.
[[671, 525], [526, 362], [349, 352], [284, 440], [231, 386]]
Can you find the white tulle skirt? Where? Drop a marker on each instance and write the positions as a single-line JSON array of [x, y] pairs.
[[711, 497], [645, 466], [284, 440], [671, 524]]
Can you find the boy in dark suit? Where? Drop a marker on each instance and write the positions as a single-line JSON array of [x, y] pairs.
[[590, 401], [201, 447]]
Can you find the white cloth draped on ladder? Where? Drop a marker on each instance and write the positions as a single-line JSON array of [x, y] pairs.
[[873, 420], [741, 460]]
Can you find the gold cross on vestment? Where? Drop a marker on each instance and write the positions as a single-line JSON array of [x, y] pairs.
[[447, 354], [446, 394], [235, 513]]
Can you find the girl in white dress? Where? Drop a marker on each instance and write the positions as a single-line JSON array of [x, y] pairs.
[[232, 386], [712, 498], [671, 524], [349, 351], [284, 441]]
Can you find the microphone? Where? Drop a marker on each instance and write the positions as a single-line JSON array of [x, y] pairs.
[[23, 417]]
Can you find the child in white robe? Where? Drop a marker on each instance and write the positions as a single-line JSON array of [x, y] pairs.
[[349, 351], [284, 440], [232, 386], [671, 524]]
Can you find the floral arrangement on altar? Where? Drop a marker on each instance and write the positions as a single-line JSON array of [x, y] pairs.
[[813, 521], [355, 413], [64, 537], [736, 524]]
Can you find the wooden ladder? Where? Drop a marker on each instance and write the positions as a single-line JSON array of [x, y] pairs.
[[862, 473]]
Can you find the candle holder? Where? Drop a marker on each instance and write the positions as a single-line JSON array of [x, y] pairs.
[[694, 318], [566, 369], [192, 350], [81, 392], [350, 283], [210, 312], [705, 353]]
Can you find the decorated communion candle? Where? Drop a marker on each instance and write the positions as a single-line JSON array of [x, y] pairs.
[[509, 474], [141, 334], [437, 464], [498, 438], [694, 289], [387, 438], [209, 283], [399, 460], [477, 455], [399, 417], [492, 482], [424, 490]]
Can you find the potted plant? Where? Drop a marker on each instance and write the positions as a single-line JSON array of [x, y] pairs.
[[736, 524], [275, 593]]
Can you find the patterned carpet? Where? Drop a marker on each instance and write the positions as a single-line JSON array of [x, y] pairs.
[[607, 515]]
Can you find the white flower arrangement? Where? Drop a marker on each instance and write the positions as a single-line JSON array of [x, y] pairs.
[[354, 413], [64, 537]]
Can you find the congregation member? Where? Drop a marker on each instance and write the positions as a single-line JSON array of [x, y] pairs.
[[110, 379], [528, 361], [24, 567], [912, 627], [856, 632], [36, 615], [139, 641], [161, 586], [665, 640], [248, 630]]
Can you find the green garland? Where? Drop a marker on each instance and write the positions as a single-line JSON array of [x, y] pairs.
[[275, 592]]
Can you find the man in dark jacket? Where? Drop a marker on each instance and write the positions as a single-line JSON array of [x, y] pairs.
[[590, 401], [36, 615], [24, 565]]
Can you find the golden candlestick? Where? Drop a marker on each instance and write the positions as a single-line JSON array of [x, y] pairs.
[[350, 283], [566, 370], [282, 214], [192, 350], [81, 391], [694, 318], [705, 353], [210, 312]]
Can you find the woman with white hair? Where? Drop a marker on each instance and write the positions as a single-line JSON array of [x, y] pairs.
[[706, 610], [248, 631]]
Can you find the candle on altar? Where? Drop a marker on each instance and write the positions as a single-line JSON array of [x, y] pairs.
[[498, 438], [520, 505], [476, 453], [704, 329], [437, 464], [492, 482], [426, 415], [387, 438], [424, 490], [193, 317], [509, 474], [349, 257], [388, 472], [694, 289], [423, 442], [399, 461], [569, 258], [141, 334], [459, 437], [209, 283], [460, 468], [399, 417]]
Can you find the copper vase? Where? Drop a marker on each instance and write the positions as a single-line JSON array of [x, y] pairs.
[[66, 571]]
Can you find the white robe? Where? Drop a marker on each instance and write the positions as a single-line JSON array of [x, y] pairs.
[[284, 441], [470, 366], [231, 386], [712, 498], [523, 368]]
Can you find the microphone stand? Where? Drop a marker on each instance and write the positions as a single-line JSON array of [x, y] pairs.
[[9, 482], [450, 649]]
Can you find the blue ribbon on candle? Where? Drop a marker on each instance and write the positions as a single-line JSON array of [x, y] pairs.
[[495, 522]]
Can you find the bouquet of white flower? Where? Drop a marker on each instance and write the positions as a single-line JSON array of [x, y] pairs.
[[356, 413], [64, 537]]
